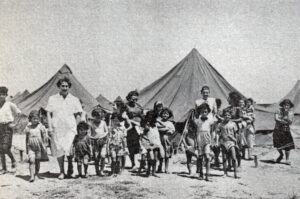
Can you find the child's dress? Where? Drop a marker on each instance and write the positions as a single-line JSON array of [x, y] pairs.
[[250, 131], [165, 137], [37, 140], [203, 135], [82, 148], [116, 141], [99, 139], [225, 130], [150, 140]]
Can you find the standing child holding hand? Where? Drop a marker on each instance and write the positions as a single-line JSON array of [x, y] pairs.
[[82, 146], [36, 137]]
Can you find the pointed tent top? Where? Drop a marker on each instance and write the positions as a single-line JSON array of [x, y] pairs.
[[118, 99], [104, 102], [65, 69]]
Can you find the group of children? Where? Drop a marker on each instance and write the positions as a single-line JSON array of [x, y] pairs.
[[230, 130]]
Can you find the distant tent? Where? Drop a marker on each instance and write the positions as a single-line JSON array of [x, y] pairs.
[[39, 98], [118, 99], [265, 113], [180, 87], [20, 97], [105, 103]]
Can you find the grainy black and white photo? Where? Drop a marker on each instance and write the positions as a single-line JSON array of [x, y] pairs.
[[150, 99]]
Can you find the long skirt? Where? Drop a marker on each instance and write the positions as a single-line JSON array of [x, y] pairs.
[[282, 139], [133, 142]]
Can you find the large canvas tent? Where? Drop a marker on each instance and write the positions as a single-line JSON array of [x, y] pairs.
[[180, 87], [39, 98], [19, 98], [265, 113], [105, 103]]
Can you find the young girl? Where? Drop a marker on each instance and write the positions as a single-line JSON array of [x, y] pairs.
[[82, 146], [118, 146], [225, 131], [36, 139], [282, 137], [150, 140], [99, 139], [204, 123], [166, 129], [242, 127], [250, 131]]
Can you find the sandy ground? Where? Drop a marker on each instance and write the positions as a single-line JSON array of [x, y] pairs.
[[268, 180]]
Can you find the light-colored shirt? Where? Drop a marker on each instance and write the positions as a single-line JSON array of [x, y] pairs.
[[211, 103], [204, 129], [99, 131], [226, 130], [8, 112]]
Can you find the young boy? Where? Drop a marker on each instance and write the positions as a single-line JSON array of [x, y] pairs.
[[99, 140], [8, 112], [250, 132], [225, 131], [204, 122]]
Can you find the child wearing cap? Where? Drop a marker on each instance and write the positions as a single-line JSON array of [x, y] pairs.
[[8, 112]]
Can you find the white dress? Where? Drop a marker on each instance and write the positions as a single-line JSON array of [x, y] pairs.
[[63, 122]]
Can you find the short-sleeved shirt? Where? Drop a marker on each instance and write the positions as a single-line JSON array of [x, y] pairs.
[[168, 124], [36, 132], [118, 136], [204, 129], [224, 130], [99, 131], [8, 112], [210, 101]]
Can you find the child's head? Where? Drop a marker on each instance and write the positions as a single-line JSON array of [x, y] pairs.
[[205, 91], [203, 109], [97, 114], [115, 122], [166, 113], [241, 103], [150, 119], [286, 104], [249, 102], [3, 93], [34, 117], [82, 128], [226, 115], [158, 106], [218, 103]]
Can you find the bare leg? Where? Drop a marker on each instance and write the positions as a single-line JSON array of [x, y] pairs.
[[224, 161], [207, 164], [188, 162], [79, 168], [131, 157], [70, 166], [280, 156], [287, 156], [233, 156], [97, 166], [12, 158], [60, 161], [3, 162], [32, 169], [166, 165], [199, 165]]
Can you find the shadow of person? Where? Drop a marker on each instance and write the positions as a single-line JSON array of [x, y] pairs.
[[43, 175]]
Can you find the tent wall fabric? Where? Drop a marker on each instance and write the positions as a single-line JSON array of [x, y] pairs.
[[181, 86], [105, 103], [39, 98], [20, 97], [265, 113]]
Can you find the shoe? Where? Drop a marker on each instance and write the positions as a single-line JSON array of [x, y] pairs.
[[31, 179], [101, 173], [61, 176], [278, 160], [39, 177], [85, 176], [13, 165], [3, 172]]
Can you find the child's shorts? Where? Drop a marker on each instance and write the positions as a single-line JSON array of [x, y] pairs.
[[204, 149], [34, 154], [228, 145]]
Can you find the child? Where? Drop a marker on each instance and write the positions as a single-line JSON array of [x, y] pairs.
[[226, 130], [82, 146], [8, 113], [215, 147], [166, 129], [250, 131], [99, 139], [117, 146], [204, 123], [36, 139], [242, 127], [150, 140]]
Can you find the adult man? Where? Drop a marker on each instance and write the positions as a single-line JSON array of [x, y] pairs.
[[205, 91], [64, 112], [8, 111]]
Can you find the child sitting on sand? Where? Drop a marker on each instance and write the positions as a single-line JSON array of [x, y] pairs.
[[36, 139], [82, 146]]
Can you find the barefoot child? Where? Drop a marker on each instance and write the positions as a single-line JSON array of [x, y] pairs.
[[82, 146], [36, 139], [225, 131], [204, 123], [166, 129], [117, 146], [8, 113], [250, 132], [99, 139]]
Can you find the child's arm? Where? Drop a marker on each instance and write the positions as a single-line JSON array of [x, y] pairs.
[[26, 140], [277, 119]]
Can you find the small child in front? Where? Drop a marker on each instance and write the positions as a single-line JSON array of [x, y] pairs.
[[82, 146], [36, 139]]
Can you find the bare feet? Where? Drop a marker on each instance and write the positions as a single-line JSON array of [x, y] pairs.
[[61, 176]]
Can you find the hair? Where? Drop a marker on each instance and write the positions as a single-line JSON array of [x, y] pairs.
[[203, 106], [249, 100], [165, 109], [205, 87], [82, 125], [132, 93], [234, 98], [226, 111], [218, 102], [33, 113], [150, 119], [286, 101], [3, 90], [97, 113], [156, 104], [65, 79]]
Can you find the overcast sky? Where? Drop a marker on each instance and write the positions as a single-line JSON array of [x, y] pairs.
[[116, 46]]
